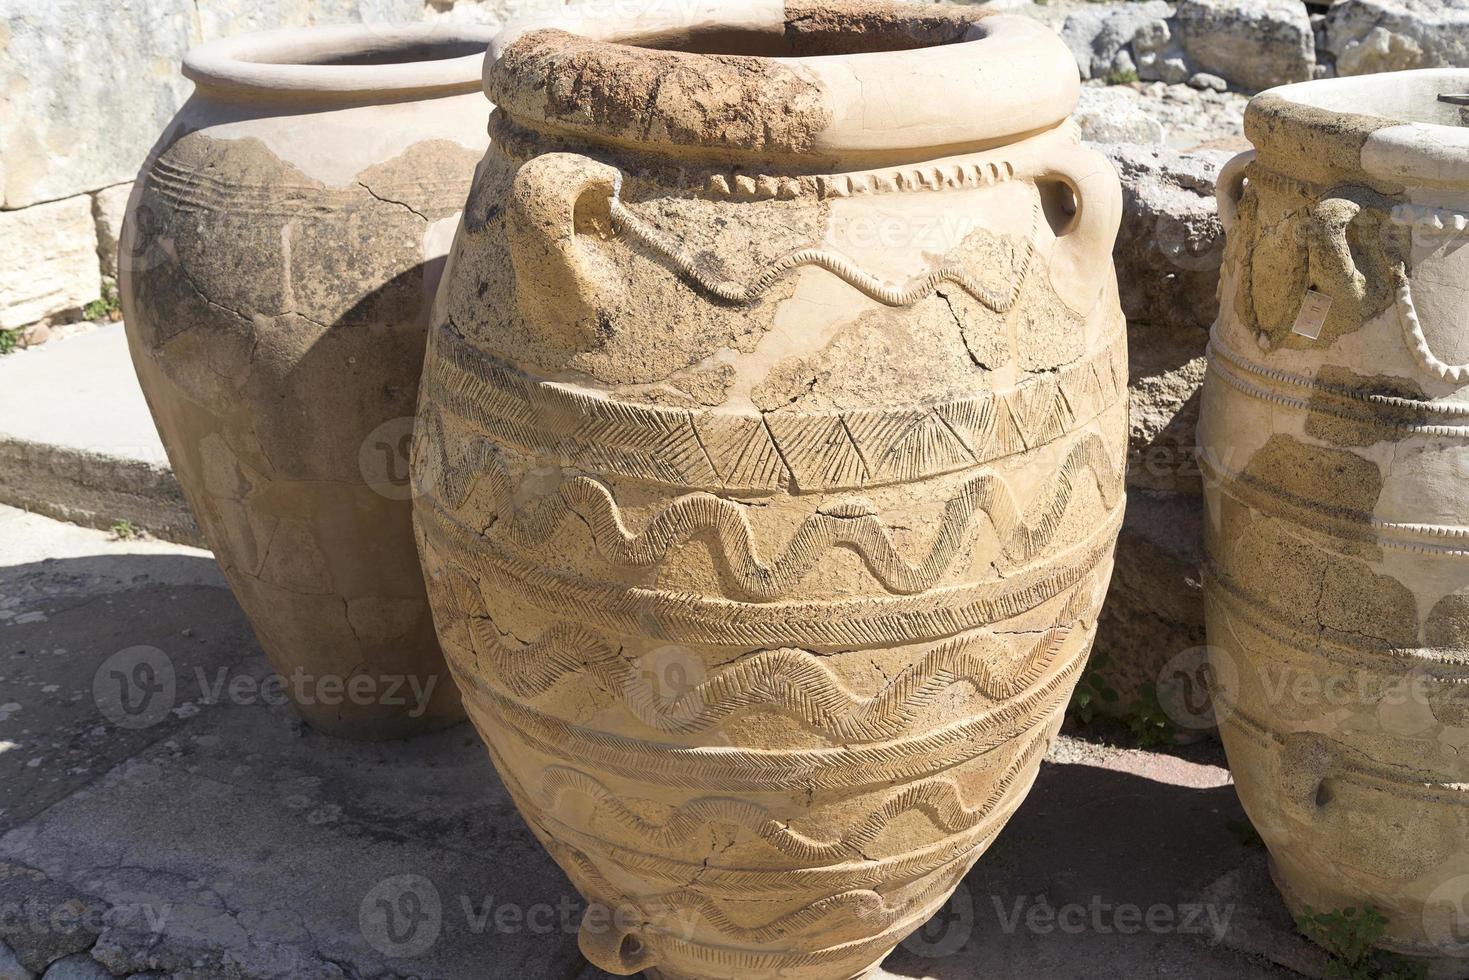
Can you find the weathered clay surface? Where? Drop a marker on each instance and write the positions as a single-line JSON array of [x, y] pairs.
[[767, 500], [278, 270], [1336, 515]]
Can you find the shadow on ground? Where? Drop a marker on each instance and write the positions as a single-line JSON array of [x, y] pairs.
[[224, 838]]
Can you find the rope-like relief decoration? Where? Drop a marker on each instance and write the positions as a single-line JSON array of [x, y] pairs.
[[740, 186], [889, 294], [1431, 221], [1414, 336], [1227, 367], [1218, 348]]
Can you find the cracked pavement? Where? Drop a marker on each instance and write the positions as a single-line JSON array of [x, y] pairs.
[[221, 838]]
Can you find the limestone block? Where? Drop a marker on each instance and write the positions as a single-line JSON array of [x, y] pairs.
[[1171, 244], [1115, 114], [1368, 36], [1256, 44], [108, 207], [84, 95], [48, 261]]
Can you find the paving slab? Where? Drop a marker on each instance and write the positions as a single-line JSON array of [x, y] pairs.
[[211, 835], [77, 441]]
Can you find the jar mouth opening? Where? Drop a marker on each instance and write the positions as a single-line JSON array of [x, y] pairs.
[[1394, 99], [783, 78], [723, 39], [343, 62]]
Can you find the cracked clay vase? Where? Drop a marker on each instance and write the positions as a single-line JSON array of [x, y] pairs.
[[1335, 445], [770, 462], [280, 256]]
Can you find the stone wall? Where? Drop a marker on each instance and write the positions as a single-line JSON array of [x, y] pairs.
[[85, 88]]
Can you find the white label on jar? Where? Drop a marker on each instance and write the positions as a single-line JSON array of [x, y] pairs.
[[1313, 313]]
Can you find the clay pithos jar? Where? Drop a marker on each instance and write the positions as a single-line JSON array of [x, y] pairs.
[[280, 256], [1335, 443], [770, 462]]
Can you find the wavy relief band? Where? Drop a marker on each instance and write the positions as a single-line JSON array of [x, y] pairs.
[[1415, 338], [795, 683], [727, 769], [937, 800], [850, 524], [858, 910], [889, 294], [1446, 541], [747, 450], [748, 882], [681, 617]]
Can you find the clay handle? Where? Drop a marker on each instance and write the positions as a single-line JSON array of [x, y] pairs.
[[556, 201], [1081, 262], [615, 949], [1230, 187]]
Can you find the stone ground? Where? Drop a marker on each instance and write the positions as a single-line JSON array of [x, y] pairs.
[[211, 835]]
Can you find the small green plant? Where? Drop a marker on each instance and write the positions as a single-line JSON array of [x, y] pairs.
[[1148, 722], [1350, 936], [125, 530], [1123, 76], [1091, 691], [106, 307], [9, 340]]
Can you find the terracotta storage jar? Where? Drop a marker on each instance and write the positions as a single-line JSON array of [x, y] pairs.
[[280, 256], [770, 461], [1335, 447]]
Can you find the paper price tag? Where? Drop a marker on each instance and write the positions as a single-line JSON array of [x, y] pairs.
[[1312, 318]]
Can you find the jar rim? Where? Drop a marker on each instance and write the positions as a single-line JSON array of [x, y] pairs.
[[343, 61], [861, 77], [1391, 126]]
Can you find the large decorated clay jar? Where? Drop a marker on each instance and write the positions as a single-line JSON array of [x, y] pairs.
[[770, 462], [1335, 448], [280, 256]]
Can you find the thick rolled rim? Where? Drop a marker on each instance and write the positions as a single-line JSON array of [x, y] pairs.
[[1386, 115], [298, 61], [1004, 76]]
